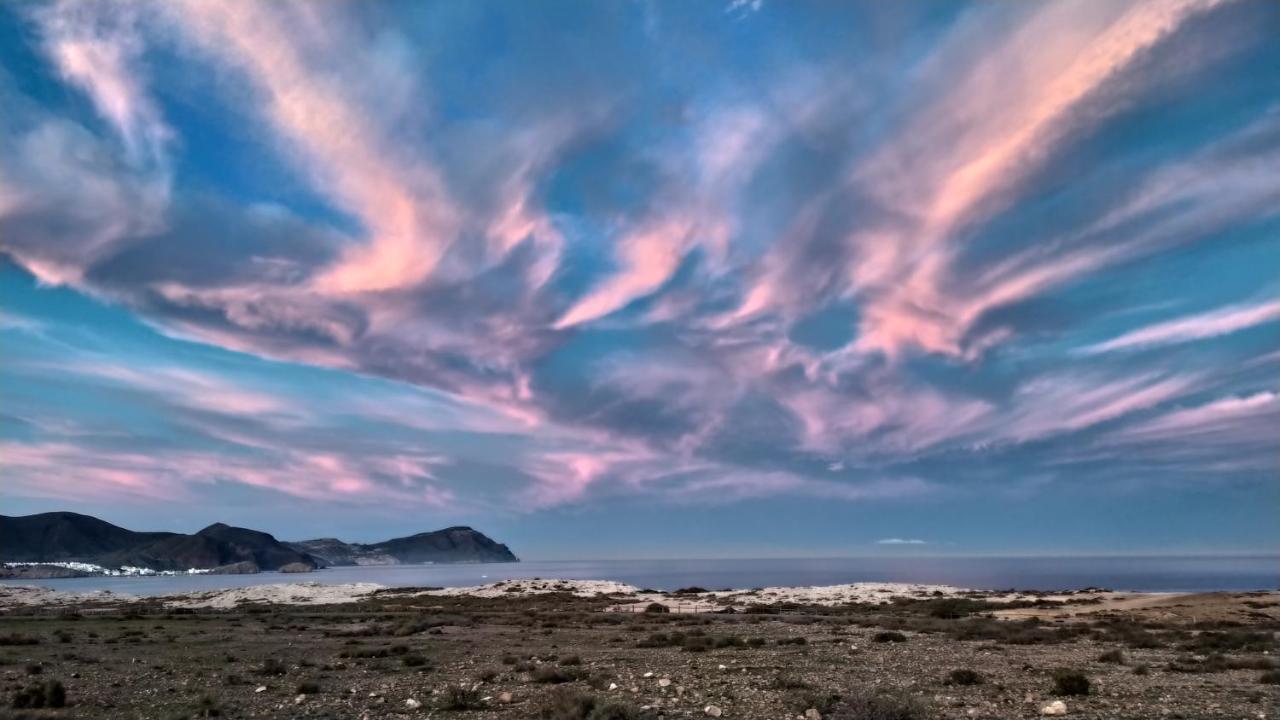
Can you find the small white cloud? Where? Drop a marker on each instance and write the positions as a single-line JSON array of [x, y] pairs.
[[835, 466], [901, 541], [744, 7]]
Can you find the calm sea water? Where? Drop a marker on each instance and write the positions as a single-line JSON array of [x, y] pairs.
[[1153, 574]]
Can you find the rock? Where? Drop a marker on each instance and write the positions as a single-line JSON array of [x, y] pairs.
[[412, 704], [664, 682], [613, 686], [505, 697], [301, 698], [713, 710], [648, 675], [244, 567], [1057, 707], [260, 688], [812, 714]]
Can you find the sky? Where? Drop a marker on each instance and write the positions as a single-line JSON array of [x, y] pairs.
[[648, 279]]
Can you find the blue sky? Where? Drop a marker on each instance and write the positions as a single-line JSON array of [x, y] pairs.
[[647, 279]]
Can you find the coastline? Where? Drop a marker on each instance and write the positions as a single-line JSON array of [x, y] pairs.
[[623, 597]]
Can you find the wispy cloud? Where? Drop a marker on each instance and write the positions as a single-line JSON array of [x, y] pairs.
[[901, 541], [833, 274], [1194, 327]]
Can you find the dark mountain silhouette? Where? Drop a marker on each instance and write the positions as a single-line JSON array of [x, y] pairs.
[[66, 536], [450, 545], [214, 546]]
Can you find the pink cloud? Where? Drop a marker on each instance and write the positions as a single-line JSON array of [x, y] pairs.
[[401, 201], [649, 257]]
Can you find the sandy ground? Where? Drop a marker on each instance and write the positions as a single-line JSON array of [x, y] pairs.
[[308, 593], [538, 586], [628, 598], [19, 595]]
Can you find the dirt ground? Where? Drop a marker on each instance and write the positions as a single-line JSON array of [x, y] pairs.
[[562, 657]]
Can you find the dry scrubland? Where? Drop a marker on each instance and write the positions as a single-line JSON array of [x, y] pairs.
[[560, 656]]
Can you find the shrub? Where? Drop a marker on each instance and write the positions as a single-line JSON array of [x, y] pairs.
[[571, 660], [38, 695], [553, 675], [691, 590], [569, 704], [1238, 640], [823, 701], [1271, 677], [413, 660], [869, 705], [797, 640], [888, 636], [1112, 656], [18, 639], [459, 697], [965, 676], [208, 707], [308, 687], [656, 608], [1142, 670], [953, 608], [1070, 682], [487, 674]]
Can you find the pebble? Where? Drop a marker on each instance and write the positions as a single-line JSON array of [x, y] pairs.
[[613, 686], [812, 714], [505, 697], [412, 704], [713, 711], [648, 674], [1057, 707], [664, 682], [301, 698], [260, 688]]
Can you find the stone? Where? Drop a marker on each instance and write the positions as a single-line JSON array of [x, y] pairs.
[[505, 697], [1057, 707], [613, 686], [648, 674], [412, 704], [713, 711], [299, 699], [664, 682], [260, 688], [812, 714]]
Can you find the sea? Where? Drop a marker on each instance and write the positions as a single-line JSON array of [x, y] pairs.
[[1145, 574]]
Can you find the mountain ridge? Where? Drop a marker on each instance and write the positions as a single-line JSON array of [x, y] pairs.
[[62, 536], [454, 544]]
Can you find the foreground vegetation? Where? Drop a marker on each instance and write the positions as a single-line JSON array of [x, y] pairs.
[[561, 657]]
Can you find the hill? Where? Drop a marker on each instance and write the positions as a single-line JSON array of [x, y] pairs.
[[457, 544]]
